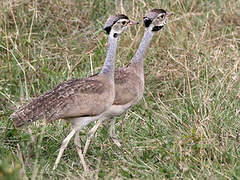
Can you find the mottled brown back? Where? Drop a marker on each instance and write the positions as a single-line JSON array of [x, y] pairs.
[[74, 98]]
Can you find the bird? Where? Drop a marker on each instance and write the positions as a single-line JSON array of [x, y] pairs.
[[129, 80], [79, 101]]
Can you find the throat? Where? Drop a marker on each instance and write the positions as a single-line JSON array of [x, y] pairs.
[[137, 62], [140, 55]]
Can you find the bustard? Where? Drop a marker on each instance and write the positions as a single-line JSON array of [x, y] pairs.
[[129, 80], [80, 101]]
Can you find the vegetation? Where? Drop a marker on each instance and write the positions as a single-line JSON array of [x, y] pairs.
[[186, 127]]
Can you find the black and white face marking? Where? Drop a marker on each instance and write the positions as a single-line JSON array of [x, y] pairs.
[[120, 26], [147, 21], [115, 25], [161, 20], [158, 22], [113, 20]]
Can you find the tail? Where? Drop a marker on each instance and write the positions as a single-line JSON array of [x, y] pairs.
[[19, 119], [26, 115], [39, 108]]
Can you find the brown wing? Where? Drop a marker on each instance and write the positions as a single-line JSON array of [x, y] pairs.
[[127, 86], [74, 98]]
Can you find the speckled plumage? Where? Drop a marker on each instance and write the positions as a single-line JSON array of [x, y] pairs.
[[129, 86], [80, 101], [76, 98], [67, 100]]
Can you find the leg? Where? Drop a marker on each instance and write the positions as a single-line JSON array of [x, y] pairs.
[[113, 134], [78, 146], [90, 135], [63, 147]]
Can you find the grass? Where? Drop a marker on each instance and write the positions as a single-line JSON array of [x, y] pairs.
[[187, 124]]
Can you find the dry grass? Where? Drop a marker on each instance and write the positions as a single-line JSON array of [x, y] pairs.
[[185, 127]]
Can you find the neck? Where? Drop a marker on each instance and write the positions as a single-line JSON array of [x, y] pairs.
[[139, 57], [109, 64]]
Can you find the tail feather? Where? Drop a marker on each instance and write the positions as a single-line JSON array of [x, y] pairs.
[[27, 114], [52, 105], [39, 108]]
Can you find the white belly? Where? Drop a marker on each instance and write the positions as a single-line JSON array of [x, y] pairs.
[[80, 122], [116, 110]]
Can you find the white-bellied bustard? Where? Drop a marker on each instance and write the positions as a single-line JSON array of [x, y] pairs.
[[129, 80], [80, 101]]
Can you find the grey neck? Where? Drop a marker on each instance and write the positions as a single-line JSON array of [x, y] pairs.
[[139, 57], [109, 64]]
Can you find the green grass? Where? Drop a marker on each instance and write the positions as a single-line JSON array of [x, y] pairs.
[[185, 127]]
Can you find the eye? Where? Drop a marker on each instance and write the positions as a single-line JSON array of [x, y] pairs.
[[161, 16], [124, 23]]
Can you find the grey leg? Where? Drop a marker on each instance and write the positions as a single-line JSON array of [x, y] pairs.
[[63, 147], [78, 146], [113, 134]]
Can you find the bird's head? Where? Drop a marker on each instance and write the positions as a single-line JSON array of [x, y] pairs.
[[117, 24], [156, 19]]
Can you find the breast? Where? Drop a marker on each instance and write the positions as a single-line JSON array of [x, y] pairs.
[[129, 87]]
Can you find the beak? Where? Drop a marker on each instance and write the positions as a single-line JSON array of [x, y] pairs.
[[169, 14], [133, 22]]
